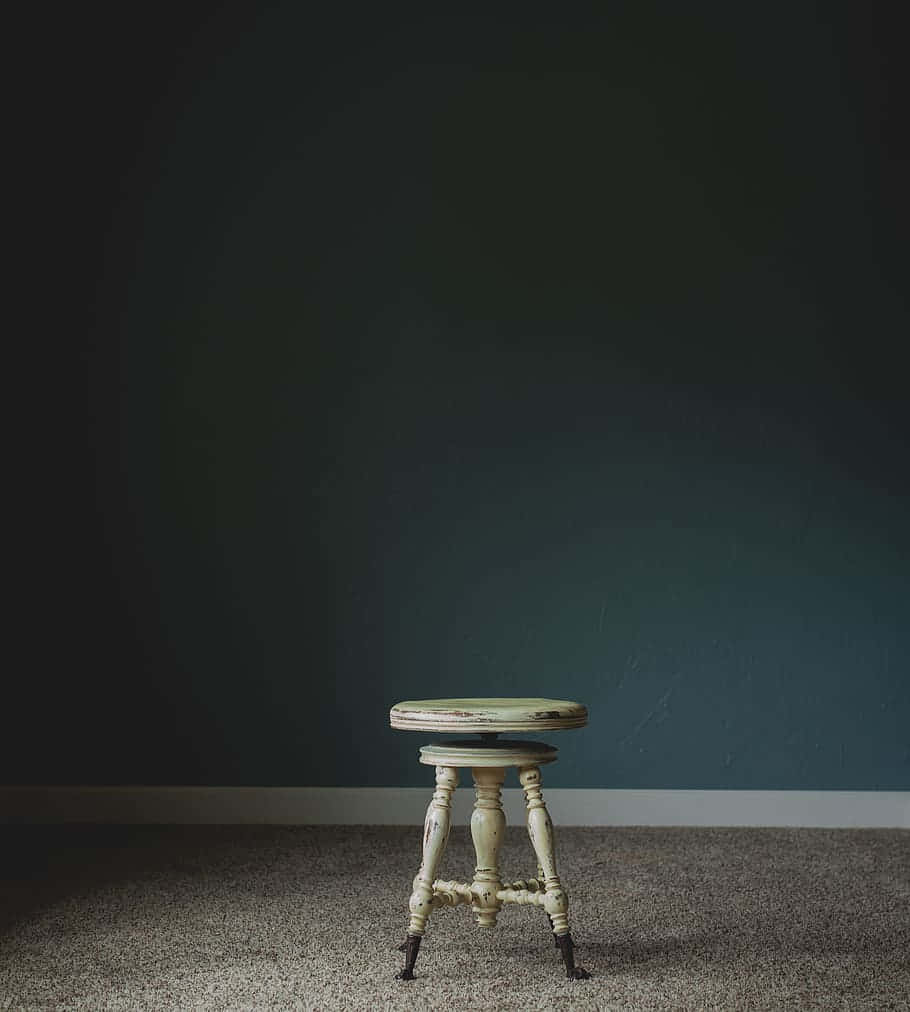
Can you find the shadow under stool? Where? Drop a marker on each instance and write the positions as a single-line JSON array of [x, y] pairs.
[[488, 759]]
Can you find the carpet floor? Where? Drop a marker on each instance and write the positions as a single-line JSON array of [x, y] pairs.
[[262, 917]]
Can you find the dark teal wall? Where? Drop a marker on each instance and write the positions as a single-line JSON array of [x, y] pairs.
[[463, 355]]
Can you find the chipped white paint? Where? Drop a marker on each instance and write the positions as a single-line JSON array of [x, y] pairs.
[[494, 753], [487, 715], [488, 827], [540, 829], [435, 835]]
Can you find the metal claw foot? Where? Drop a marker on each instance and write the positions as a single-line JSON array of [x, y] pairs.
[[555, 938], [567, 948], [411, 947]]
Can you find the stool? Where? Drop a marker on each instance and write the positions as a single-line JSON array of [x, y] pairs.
[[488, 758]]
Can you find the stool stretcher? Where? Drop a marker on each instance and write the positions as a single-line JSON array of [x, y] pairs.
[[450, 894]]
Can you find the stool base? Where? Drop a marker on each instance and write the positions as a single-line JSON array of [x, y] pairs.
[[488, 893]]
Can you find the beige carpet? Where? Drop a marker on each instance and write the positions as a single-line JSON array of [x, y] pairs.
[[310, 917]]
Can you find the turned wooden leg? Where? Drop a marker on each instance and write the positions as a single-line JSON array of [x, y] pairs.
[[549, 918], [435, 834], [488, 826], [540, 829]]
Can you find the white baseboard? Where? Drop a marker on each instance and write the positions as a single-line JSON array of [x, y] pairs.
[[402, 806]]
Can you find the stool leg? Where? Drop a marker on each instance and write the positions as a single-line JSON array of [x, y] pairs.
[[540, 829], [488, 825], [435, 834], [549, 918]]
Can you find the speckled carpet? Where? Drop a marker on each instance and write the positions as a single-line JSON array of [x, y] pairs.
[[164, 917]]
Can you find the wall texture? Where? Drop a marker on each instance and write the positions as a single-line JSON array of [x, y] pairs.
[[461, 356]]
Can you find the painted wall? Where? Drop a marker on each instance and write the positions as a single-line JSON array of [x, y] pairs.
[[449, 355]]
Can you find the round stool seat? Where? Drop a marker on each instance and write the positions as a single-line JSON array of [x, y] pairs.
[[487, 716], [494, 753]]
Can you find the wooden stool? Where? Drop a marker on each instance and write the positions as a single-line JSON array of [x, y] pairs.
[[488, 759]]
